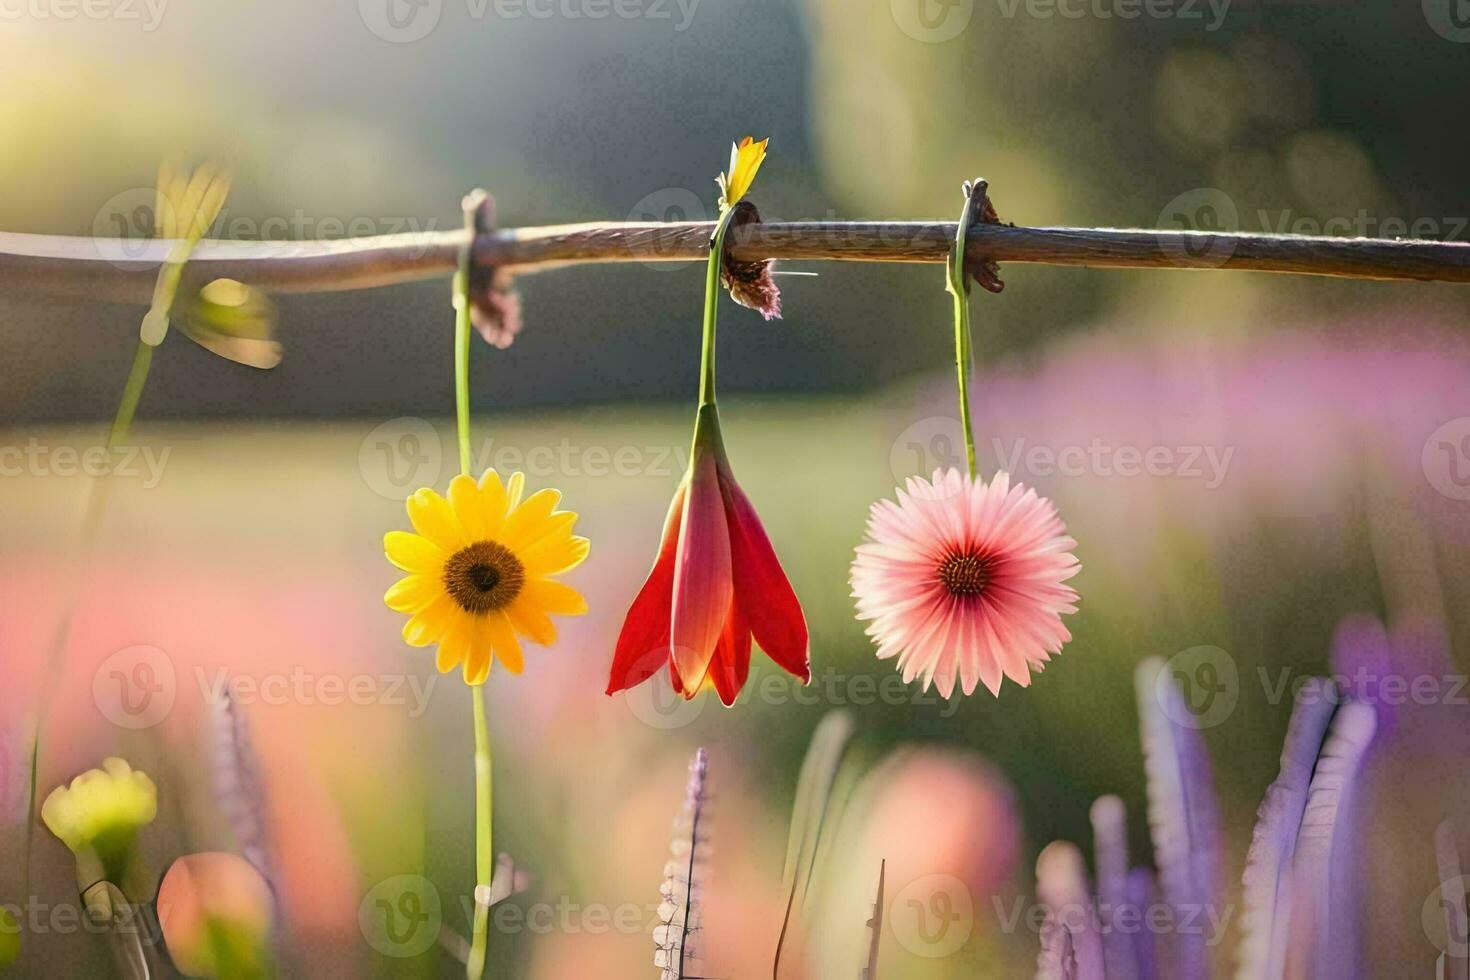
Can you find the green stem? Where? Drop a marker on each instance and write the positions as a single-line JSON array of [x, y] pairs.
[[484, 773], [711, 308], [462, 334], [962, 356], [127, 406], [484, 854]]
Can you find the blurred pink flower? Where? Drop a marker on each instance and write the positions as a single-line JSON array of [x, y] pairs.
[[961, 578]]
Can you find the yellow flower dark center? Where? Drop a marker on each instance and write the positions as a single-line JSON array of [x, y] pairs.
[[484, 576], [966, 574]]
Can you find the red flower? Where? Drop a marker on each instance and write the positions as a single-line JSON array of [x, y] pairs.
[[715, 584]]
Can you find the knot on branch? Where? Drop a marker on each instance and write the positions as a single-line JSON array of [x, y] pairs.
[[984, 271], [750, 283], [495, 306]]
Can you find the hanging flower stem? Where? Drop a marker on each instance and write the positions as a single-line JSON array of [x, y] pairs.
[[154, 328], [484, 772], [711, 309], [959, 288]]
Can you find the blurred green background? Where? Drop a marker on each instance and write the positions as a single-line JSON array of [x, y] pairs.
[[1315, 435]]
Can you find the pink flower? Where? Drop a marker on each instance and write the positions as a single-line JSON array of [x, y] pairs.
[[964, 579]]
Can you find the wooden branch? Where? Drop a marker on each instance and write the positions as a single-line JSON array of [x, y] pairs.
[[124, 269]]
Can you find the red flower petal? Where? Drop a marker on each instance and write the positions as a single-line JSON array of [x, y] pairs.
[[703, 588], [731, 665], [643, 644], [761, 587]]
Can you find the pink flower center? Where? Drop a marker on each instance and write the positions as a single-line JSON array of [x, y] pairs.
[[966, 574]]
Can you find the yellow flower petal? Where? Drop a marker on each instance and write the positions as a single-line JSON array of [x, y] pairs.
[[745, 161], [409, 595], [494, 502], [430, 623], [513, 488], [477, 665], [454, 645], [444, 659], [413, 553], [464, 498], [544, 534], [434, 518], [531, 622], [525, 523], [555, 557], [555, 598], [507, 647]]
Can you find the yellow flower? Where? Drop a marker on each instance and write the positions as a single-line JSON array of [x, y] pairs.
[[745, 159], [480, 572], [102, 811]]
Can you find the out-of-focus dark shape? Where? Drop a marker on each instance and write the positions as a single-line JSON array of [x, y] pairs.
[[233, 320]]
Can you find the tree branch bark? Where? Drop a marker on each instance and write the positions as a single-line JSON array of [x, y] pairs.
[[124, 270]]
